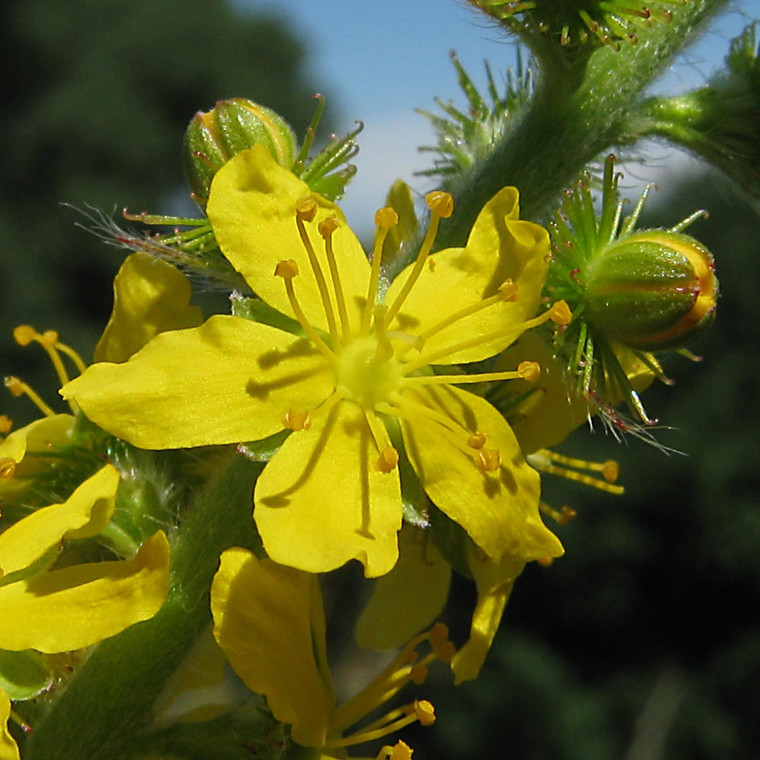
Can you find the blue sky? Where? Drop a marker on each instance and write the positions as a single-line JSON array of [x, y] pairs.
[[381, 59]]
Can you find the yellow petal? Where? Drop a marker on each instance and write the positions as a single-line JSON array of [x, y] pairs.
[[150, 296], [8, 747], [262, 620], [227, 381], [500, 247], [499, 509], [85, 513], [81, 605], [41, 435], [409, 598], [494, 581], [252, 209], [322, 500]]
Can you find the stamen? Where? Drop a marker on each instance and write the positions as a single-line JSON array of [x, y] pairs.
[[6, 424], [306, 210], [399, 751], [388, 459], [384, 349], [559, 313], [477, 441], [26, 334], [529, 371], [561, 517], [507, 291], [294, 420], [420, 710], [547, 461], [385, 218], [326, 229], [18, 387], [288, 269], [441, 206], [488, 460]]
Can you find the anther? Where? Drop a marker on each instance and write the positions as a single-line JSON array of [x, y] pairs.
[[611, 471], [24, 334], [440, 203], [508, 290], [6, 423], [545, 561], [7, 468], [49, 339], [418, 674], [16, 386], [286, 268], [477, 440], [560, 313], [438, 634], [328, 226], [294, 420], [529, 371], [425, 712], [388, 459], [488, 460], [306, 208], [386, 217], [399, 751]]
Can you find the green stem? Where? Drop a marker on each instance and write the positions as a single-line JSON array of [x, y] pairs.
[[565, 128], [101, 712]]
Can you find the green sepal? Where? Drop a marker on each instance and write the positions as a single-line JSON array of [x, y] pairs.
[[264, 449], [24, 675], [451, 540], [414, 500], [259, 311]]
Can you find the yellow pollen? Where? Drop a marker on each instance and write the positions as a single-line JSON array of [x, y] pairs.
[[15, 386], [328, 226], [286, 268], [49, 339], [6, 423], [24, 334], [294, 420], [7, 468], [560, 313], [440, 203], [418, 674], [508, 290], [488, 460], [388, 459], [610, 471], [386, 217], [425, 712], [306, 208], [529, 371], [438, 635], [399, 751], [545, 561], [477, 440]]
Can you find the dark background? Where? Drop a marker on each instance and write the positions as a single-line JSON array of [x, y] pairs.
[[644, 641]]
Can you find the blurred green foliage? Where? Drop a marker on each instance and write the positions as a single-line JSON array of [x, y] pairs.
[[96, 98]]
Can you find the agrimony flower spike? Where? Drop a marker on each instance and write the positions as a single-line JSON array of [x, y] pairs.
[[632, 292]]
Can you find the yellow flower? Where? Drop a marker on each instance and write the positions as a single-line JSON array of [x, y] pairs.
[[74, 607], [354, 380], [270, 622]]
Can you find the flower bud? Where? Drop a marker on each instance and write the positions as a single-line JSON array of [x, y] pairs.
[[213, 137], [651, 290]]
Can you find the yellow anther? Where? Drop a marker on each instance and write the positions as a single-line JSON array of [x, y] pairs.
[[294, 420], [49, 339], [386, 217], [477, 440], [24, 334], [445, 652], [6, 423], [529, 371], [438, 634], [425, 712], [286, 268], [388, 459], [306, 208], [545, 561], [508, 290], [560, 313], [328, 226], [399, 751], [440, 203], [7, 468], [418, 674], [566, 514], [610, 471], [15, 386], [488, 460]]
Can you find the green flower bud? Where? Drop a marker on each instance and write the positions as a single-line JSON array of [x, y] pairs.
[[214, 137], [651, 290]]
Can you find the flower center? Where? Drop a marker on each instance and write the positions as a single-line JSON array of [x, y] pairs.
[[366, 373]]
